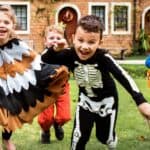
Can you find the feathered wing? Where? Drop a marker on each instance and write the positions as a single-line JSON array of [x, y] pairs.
[[27, 86]]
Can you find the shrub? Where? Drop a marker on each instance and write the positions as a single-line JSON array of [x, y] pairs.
[[141, 45], [136, 71]]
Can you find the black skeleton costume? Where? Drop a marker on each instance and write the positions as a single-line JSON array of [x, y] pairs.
[[98, 98]]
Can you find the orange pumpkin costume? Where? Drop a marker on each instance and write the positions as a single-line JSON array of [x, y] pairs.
[[147, 64], [62, 114], [148, 78]]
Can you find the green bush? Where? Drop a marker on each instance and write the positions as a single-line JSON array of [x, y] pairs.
[[141, 45], [136, 71]]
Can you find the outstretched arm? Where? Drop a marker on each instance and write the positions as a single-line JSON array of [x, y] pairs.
[[63, 57], [128, 83]]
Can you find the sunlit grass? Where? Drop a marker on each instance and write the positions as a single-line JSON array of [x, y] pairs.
[[132, 130]]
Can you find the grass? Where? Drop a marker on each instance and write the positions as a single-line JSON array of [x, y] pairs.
[[132, 130]]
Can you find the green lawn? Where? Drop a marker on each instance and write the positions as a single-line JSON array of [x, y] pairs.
[[136, 57], [133, 132]]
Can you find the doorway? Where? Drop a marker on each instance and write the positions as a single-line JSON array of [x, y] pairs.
[[69, 17]]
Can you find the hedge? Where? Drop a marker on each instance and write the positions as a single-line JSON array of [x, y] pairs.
[[136, 71]]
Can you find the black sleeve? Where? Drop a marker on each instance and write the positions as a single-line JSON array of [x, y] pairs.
[[124, 79], [63, 57]]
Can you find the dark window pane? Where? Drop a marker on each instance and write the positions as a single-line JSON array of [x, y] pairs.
[[100, 12], [21, 13], [120, 18]]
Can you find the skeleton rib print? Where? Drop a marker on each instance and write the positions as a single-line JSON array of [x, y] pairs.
[[88, 76]]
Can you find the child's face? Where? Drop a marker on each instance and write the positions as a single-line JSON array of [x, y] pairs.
[[53, 38], [85, 43], [6, 28]]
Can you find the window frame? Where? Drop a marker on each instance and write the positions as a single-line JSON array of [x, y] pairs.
[[28, 14], [127, 4], [105, 4]]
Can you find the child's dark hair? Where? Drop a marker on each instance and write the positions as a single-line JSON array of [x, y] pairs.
[[91, 23]]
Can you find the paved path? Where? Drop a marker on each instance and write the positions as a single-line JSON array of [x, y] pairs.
[[135, 62]]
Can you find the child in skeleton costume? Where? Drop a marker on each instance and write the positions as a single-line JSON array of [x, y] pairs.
[[98, 99], [27, 86]]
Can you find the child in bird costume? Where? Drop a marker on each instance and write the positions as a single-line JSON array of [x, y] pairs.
[[27, 86]]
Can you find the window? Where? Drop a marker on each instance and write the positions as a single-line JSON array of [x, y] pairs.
[[120, 18], [22, 13], [100, 10]]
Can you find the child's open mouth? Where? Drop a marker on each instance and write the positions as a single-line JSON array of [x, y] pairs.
[[2, 32], [84, 52]]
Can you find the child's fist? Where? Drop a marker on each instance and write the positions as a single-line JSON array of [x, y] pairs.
[[60, 45]]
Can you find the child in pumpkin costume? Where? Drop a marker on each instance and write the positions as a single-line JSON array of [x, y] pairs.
[[27, 86], [147, 64], [59, 113]]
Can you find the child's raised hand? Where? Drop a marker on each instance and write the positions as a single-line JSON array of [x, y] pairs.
[[144, 109], [57, 45], [61, 44]]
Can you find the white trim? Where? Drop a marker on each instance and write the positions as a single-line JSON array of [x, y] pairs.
[[64, 6], [28, 13], [128, 4], [143, 16], [90, 4]]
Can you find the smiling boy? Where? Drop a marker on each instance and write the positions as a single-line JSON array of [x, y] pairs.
[[98, 98]]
